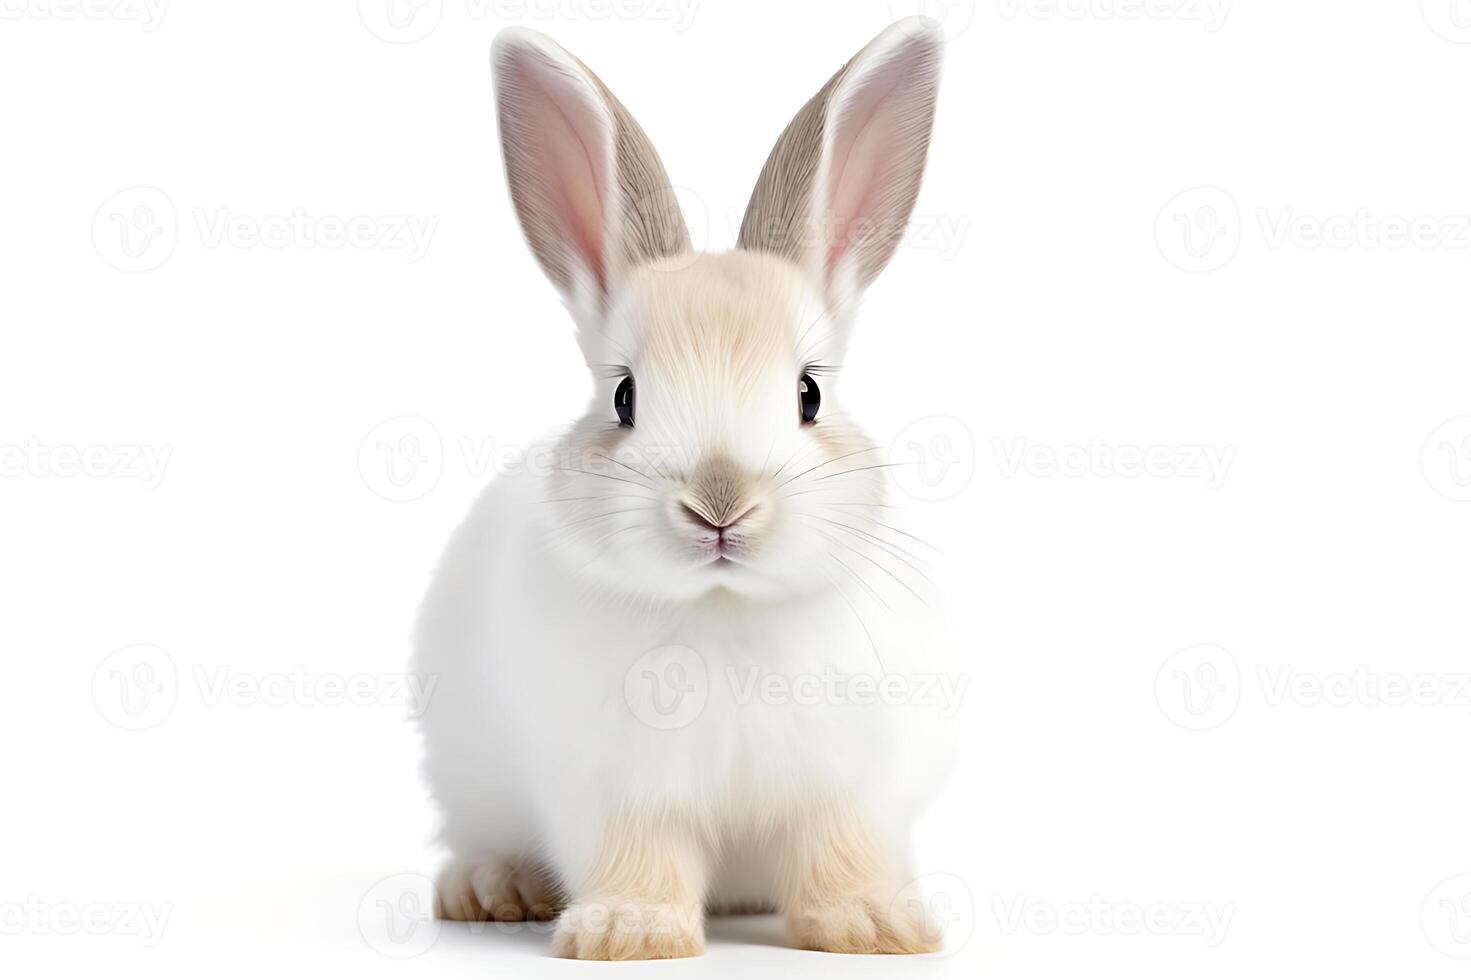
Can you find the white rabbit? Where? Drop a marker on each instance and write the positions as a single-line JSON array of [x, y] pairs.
[[623, 635]]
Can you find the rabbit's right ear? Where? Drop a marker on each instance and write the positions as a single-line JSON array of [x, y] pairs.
[[840, 184], [591, 194]]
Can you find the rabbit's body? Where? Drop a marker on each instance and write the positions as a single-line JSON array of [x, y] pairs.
[[531, 733], [681, 659]]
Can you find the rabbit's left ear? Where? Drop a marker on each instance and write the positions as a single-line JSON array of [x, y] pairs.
[[837, 190], [590, 192]]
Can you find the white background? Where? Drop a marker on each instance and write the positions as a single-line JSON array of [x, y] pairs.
[[1072, 308]]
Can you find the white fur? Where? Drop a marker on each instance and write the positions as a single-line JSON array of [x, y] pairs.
[[560, 582]]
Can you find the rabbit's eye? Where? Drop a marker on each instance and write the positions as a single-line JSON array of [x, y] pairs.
[[808, 397], [623, 402]]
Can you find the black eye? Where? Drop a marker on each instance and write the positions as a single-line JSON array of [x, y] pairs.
[[623, 402], [808, 397]]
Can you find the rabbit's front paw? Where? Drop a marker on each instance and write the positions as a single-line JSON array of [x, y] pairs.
[[493, 888], [628, 929], [864, 926]]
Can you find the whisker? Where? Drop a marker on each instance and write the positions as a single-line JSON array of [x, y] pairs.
[[630, 469], [887, 545], [604, 515], [854, 609], [875, 466], [859, 579], [605, 496], [875, 564], [829, 462], [605, 476], [799, 451]]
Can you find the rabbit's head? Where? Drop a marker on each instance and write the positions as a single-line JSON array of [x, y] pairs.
[[715, 454]]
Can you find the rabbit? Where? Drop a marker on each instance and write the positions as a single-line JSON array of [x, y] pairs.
[[605, 744]]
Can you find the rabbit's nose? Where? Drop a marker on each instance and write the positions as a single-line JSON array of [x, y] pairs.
[[718, 495], [697, 516]]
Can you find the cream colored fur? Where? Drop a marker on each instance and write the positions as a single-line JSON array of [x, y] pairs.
[[720, 529]]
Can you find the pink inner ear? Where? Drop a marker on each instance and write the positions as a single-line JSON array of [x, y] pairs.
[[566, 145], [871, 156]]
